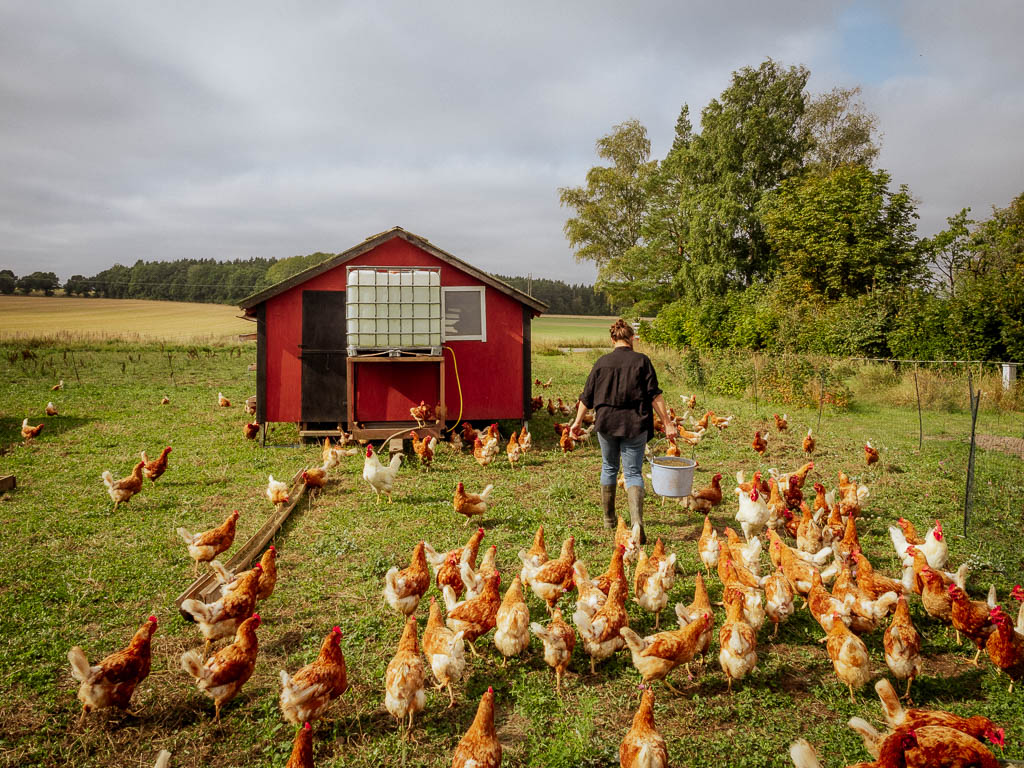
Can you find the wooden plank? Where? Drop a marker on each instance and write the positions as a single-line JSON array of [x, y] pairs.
[[205, 587], [8, 483], [247, 337], [319, 433]]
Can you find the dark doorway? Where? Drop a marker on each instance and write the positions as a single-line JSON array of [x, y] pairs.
[[323, 357]]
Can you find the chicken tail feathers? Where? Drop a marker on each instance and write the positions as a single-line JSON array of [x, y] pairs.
[[224, 576], [891, 707], [188, 537], [872, 738], [197, 609], [486, 492], [192, 663], [79, 664], [108, 479], [163, 759], [802, 754]]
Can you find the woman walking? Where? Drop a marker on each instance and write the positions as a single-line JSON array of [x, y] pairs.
[[623, 391]]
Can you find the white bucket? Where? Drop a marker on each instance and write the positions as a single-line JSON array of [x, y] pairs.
[[672, 476]]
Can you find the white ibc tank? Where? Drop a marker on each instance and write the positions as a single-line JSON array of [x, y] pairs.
[[393, 308]]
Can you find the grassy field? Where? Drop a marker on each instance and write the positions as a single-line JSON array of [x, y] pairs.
[[131, 319], [75, 319], [72, 572]]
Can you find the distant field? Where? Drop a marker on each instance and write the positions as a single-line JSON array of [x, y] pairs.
[[27, 316], [552, 328]]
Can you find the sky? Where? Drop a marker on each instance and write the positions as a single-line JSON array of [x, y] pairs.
[[158, 131]]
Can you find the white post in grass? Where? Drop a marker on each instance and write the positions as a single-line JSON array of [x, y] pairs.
[[1009, 376]]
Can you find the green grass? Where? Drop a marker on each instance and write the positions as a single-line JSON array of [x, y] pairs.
[[572, 330], [72, 572]]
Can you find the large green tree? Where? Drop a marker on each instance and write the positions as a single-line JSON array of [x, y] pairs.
[[609, 211], [8, 281], [839, 131], [843, 234]]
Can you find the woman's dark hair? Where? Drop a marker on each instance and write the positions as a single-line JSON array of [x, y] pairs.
[[621, 330]]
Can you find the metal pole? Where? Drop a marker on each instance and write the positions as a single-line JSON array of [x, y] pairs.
[[755, 387], [975, 399], [821, 399], [920, 420]]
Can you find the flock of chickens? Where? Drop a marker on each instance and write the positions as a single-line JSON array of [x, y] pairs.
[[825, 550]]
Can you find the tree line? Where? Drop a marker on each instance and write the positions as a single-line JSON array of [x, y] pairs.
[[228, 282], [770, 228]]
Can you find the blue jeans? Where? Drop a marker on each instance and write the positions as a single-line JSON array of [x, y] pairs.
[[631, 450]]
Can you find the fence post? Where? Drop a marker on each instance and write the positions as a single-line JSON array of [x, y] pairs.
[[755, 386], [920, 420], [821, 399], [975, 400]]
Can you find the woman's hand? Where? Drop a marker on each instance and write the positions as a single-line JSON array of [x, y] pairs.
[[670, 429]]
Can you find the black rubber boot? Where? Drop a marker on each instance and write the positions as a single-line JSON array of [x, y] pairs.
[[608, 505], [635, 496]]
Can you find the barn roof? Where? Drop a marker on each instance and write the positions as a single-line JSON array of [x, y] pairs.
[[372, 242]]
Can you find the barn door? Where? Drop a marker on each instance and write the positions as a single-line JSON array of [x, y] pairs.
[[323, 357]]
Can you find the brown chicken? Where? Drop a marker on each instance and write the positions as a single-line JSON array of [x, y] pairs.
[[29, 433], [58, 386], [422, 413], [760, 444], [221, 618], [204, 547], [800, 475], [656, 656], [302, 748], [643, 746], [404, 695], [153, 469], [447, 567], [222, 401], [222, 675], [471, 504], [307, 694], [565, 442], [480, 747], [536, 404], [871, 582], [971, 617], [512, 622], [550, 580], [476, 617], [512, 450], [870, 454], [112, 682], [537, 554], [781, 424], [444, 650], [808, 533], [315, 478], [707, 498], [424, 447], [808, 444], [686, 614], [616, 570], [1005, 646], [483, 454], [902, 644], [122, 490], [468, 433], [673, 449], [268, 573], [849, 656], [404, 588], [898, 718], [559, 640], [935, 596], [250, 430], [600, 631], [525, 440], [909, 531], [757, 481]]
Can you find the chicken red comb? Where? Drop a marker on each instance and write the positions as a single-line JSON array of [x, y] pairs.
[[490, 689], [152, 618], [258, 566], [273, 548], [336, 629], [1017, 593], [307, 727], [480, 530], [996, 735]]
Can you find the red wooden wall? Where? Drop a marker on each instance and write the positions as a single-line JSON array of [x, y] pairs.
[[491, 372]]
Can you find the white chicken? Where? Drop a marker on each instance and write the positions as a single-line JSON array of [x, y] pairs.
[[277, 491], [753, 513], [934, 549], [589, 597], [380, 477]]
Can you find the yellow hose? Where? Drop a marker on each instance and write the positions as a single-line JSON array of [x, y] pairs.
[[458, 385]]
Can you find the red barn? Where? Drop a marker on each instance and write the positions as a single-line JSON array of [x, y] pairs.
[[363, 337]]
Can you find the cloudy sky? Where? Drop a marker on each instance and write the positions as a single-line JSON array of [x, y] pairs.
[[227, 130]]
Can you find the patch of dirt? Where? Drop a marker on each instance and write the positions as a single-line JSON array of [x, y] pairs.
[[1011, 445]]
